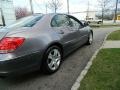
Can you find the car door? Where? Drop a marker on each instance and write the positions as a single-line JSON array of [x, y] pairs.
[[60, 23], [82, 30], [75, 26]]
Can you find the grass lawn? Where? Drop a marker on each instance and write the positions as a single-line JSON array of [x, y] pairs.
[[104, 25], [110, 25], [114, 36], [104, 73]]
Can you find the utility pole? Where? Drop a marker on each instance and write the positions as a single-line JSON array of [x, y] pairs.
[[115, 17], [31, 6], [55, 6], [68, 6], [3, 19], [46, 6], [87, 16]]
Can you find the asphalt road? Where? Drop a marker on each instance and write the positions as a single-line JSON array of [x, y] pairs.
[[65, 77]]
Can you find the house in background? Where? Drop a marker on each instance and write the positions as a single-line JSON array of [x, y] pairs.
[[118, 17], [85, 15], [90, 15], [7, 12]]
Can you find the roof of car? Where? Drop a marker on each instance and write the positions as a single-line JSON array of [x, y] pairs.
[[49, 14]]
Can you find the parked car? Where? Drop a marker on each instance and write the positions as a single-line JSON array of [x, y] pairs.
[[39, 42], [97, 21]]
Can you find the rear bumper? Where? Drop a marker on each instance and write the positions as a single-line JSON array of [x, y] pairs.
[[20, 65]]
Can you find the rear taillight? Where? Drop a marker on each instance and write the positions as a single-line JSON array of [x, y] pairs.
[[9, 44]]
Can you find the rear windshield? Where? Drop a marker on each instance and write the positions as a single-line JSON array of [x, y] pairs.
[[29, 21]]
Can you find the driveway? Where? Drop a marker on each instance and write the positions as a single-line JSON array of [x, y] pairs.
[[65, 77]]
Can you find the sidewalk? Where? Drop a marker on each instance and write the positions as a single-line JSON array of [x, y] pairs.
[[104, 70], [112, 44]]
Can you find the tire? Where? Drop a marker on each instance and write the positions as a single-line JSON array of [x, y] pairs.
[[90, 39], [52, 60]]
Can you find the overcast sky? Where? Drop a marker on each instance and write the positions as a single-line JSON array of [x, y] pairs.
[[75, 5]]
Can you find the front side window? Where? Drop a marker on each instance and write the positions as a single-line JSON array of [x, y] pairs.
[[74, 23], [60, 21]]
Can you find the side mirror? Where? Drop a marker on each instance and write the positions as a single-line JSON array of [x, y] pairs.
[[86, 24]]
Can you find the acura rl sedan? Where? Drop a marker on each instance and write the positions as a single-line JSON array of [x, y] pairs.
[[39, 42]]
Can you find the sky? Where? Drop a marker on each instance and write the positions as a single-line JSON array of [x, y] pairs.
[[75, 6]]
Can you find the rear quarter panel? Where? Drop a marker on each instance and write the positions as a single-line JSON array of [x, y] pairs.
[[35, 41]]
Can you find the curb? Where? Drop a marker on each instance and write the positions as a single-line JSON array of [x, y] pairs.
[[76, 85]]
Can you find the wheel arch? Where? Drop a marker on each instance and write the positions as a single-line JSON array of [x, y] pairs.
[[56, 44], [91, 31]]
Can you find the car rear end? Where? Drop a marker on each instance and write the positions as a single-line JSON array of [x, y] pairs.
[[13, 59], [18, 50]]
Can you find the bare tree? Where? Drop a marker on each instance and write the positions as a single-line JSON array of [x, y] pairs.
[[116, 9], [105, 6], [21, 12], [54, 5]]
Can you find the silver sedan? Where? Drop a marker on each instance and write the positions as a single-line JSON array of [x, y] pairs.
[[40, 42]]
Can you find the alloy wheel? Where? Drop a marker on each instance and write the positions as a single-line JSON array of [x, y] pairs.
[[54, 59]]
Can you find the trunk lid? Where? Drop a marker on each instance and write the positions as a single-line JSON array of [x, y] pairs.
[[3, 32]]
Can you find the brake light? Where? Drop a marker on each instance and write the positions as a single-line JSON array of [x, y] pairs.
[[9, 44]]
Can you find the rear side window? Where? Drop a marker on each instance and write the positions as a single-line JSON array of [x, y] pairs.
[[32, 22], [29, 21], [60, 21]]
